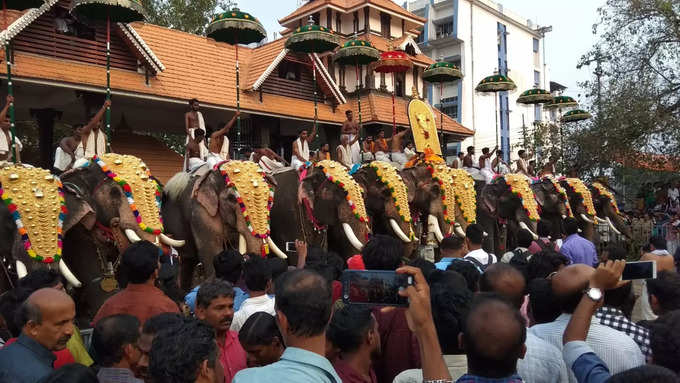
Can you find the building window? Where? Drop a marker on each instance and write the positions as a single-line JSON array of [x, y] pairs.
[[355, 22], [289, 71], [537, 112], [537, 78], [445, 30], [536, 45], [449, 106], [385, 25]]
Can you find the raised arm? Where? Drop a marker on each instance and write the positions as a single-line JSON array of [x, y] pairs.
[[5, 109], [97, 118], [311, 136], [227, 127]]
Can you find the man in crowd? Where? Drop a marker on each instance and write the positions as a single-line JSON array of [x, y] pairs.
[[301, 148], [544, 242], [469, 159], [6, 135], [114, 341], [458, 161], [195, 150], [485, 167], [66, 154], [140, 297], [151, 328], [344, 150], [350, 130], [577, 248], [397, 155], [354, 331], [522, 165], [617, 349], [474, 236], [228, 267], [450, 248], [369, 149], [219, 143], [664, 262], [664, 292], [381, 148], [46, 318], [499, 165], [93, 140], [258, 278], [542, 361], [268, 160], [520, 254], [186, 353], [215, 306], [193, 122], [493, 339], [549, 168]]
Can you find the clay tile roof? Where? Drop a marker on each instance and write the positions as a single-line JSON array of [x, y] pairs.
[[346, 5], [261, 58]]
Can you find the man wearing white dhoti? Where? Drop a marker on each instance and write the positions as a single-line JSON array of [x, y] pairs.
[[6, 135], [301, 148], [92, 138], [193, 121]]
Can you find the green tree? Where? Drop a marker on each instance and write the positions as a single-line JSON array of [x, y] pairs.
[[185, 15]]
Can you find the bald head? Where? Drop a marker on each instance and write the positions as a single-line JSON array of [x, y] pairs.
[[569, 283], [493, 337], [504, 280], [47, 317]]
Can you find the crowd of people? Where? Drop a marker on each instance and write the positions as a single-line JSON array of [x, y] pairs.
[[546, 311]]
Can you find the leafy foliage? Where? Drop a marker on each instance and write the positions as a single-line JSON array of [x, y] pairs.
[[186, 15]]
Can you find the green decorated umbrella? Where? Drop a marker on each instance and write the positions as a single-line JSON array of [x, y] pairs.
[[440, 73], [496, 83], [357, 52], [235, 27], [310, 39], [393, 62], [576, 115], [562, 102], [18, 5], [535, 96], [116, 11]]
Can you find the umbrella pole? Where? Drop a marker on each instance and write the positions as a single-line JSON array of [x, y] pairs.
[[360, 132], [394, 109], [10, 90], [495, 104], [441, 120], [238, 106], [108, 81], [316, 110]]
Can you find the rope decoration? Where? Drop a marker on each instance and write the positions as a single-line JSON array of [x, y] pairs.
[[387, 174], [577, 186], [142, 192], [465, 194], [605, 192], [519, 186], [563, 194], [35, 200], [440, 173], [338, 174]]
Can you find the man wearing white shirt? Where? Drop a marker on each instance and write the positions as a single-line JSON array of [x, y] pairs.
[[301, 148], [474, 235], [258, 278]]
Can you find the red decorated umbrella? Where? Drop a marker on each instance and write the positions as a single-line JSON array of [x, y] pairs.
[[442, 72], [19, 5], [235, 27], [116, 11], [393, 62]]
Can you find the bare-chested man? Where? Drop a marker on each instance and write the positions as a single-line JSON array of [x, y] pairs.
[[268, 160], [301, 148], [468, 160], [193, 121], [92, 139], [397, 155], [193, 150], [6, 135], [549, 168], [522, 166], [219, 142], [67, 151], [350, 128], [324, 152]]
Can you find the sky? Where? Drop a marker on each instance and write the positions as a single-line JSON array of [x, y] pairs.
[[571, 37]]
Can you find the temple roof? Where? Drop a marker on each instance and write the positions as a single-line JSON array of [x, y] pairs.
[[349, 5]]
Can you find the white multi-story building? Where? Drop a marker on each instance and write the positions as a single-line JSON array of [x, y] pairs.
[[482, 37]]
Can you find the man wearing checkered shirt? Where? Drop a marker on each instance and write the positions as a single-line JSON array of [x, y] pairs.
[[614, 318]]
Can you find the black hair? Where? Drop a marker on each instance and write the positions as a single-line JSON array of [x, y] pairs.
[[349, 326], [475, 233], [470, 148], [71, 373], [522, 151], [111, 334], [259, 329], [452, 243], [570, 225], [616, 252], [228, 266], [545, 263], [658, 242], [211, 290], [666, 288], [40, 278], [645, 374], [543, 228], [451, 300], [469, 271], [499, 360], [664, 340], [140, 261], [524, 238], [485, 150], [570, 299], [192, 101], [199, 133], [277, 266], [304, 297], [256, 273], [382, 252], [493, 280], [544, 308], [424, 265], [348, 111], [178, 352], [28, 311], [620, 297], [161, 321], [327, 264]]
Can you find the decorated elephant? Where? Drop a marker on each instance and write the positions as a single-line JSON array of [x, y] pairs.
[[504, 206], [215, 209], [323, 205], [608, 211], [386, 198], [581, 202], [553, 200]]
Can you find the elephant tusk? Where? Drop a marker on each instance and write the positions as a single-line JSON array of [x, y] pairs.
[[275, 249], [397, 230], [21, 269], [349, 233], [171, 242], [609, 221], [524, 226], [564, 217], [68, 275], [433, 227], [583, 217], [132, 236], [458, 230], [242, 245]]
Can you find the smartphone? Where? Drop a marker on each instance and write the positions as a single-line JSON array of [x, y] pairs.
[[374, 287], [290, 247], [639, 270]]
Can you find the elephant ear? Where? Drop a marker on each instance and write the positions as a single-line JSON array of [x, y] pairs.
[[539, 193], [79, 210], [205, 192], [487, 200]]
